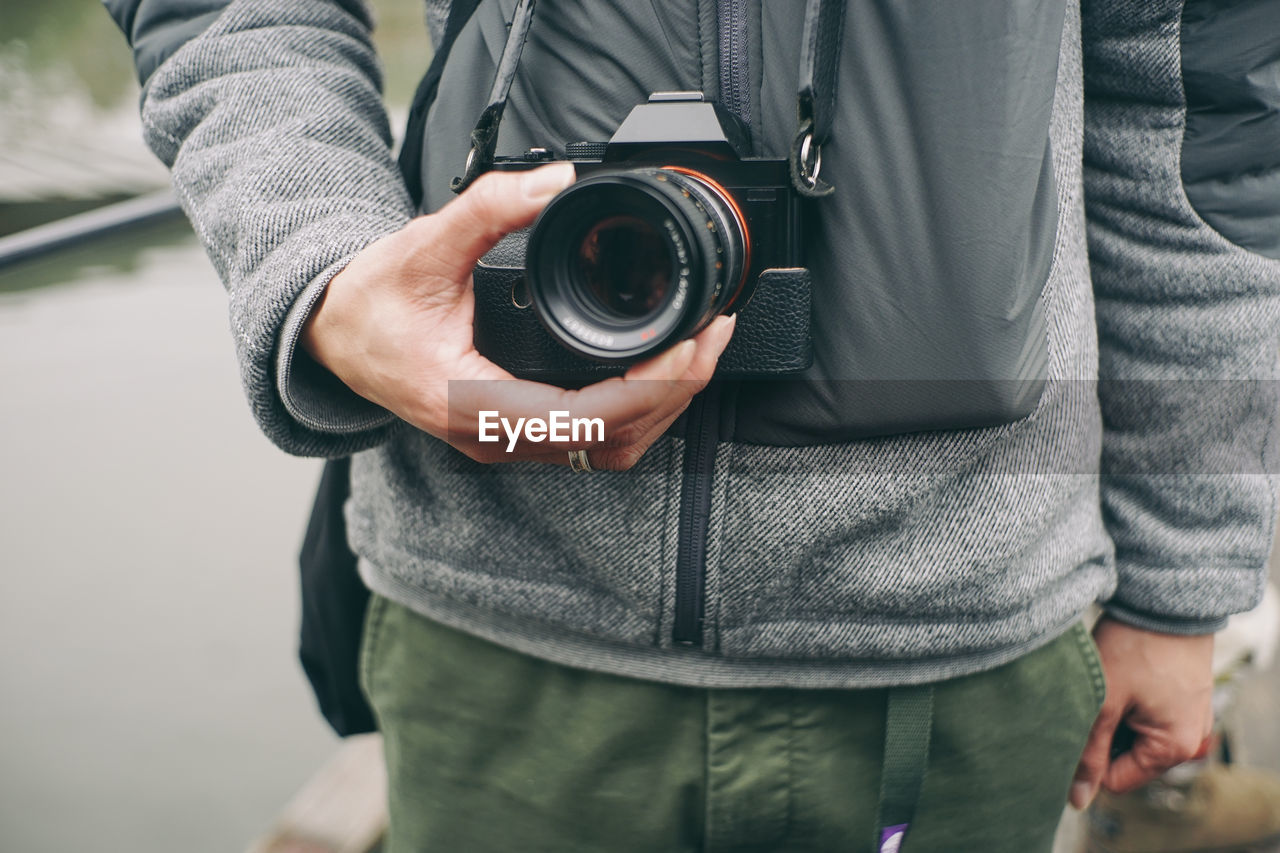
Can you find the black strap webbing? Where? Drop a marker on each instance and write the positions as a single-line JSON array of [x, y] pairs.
[[907, 730]]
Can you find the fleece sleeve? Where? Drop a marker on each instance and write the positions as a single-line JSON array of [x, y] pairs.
[[271, 121], [1188, 322]]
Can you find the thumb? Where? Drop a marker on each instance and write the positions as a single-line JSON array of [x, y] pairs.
[[495, 205], [1094, 760]]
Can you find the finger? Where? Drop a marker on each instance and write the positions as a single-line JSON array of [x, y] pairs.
[[627, 408], [1153, 753], [625, 458], [1095, 759], [600, 458], [1134, 769], [710, 344], [611, 458], [495, 205], [616, 403]]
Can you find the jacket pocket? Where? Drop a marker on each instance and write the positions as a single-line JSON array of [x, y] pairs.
[[1231, 143], [931, 260]]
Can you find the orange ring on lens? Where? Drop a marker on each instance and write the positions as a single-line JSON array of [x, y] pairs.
[[737, 212]]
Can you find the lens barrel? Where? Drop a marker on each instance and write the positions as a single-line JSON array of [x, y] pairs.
[[626, 263]]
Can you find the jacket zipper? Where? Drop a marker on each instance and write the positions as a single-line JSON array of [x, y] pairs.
[[702, 433], [734, 48], [702, 420]]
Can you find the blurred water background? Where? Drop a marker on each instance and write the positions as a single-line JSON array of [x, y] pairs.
[[150, 698]]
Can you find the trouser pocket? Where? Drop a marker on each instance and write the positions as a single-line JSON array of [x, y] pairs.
[[1093, 664], [375, 615], [1005, 748]]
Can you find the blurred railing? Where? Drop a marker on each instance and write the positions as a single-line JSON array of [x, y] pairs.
[[93, 225]]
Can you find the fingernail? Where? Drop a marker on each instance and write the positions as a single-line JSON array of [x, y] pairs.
[[1081, 795], [542, 183]]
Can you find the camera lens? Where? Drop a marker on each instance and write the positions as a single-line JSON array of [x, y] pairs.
[[626, 263], [625, 266]]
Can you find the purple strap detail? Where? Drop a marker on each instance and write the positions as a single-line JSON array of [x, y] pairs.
[[891, 838]]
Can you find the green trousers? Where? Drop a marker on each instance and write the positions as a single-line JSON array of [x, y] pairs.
[[491, 750]]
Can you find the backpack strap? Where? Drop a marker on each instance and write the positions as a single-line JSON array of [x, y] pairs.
[[460, 12], [484, 138]]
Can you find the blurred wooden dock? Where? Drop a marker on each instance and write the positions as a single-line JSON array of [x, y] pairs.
[[61, 155], [341, 809], [69, 149], [77, 169]]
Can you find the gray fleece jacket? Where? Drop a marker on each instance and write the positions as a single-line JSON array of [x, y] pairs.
[[1025, 191]]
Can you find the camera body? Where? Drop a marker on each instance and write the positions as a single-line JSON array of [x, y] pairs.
[[667, 226]]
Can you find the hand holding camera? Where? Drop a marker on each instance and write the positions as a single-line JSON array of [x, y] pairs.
[[396, 325]]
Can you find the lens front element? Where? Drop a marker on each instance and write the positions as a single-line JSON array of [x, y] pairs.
[[625, 266], [626, 263]]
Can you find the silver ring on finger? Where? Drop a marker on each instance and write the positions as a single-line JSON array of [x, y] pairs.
[[579, 462]]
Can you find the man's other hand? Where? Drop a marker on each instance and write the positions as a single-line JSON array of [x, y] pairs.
[[395, 325], [1161, 687]]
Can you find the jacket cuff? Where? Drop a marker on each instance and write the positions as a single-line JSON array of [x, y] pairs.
[[1162, 624], [311, 394], [1183, 600]]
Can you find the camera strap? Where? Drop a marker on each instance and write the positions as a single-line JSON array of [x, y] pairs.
[[819, 61], [819, 66], [484, 139]]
